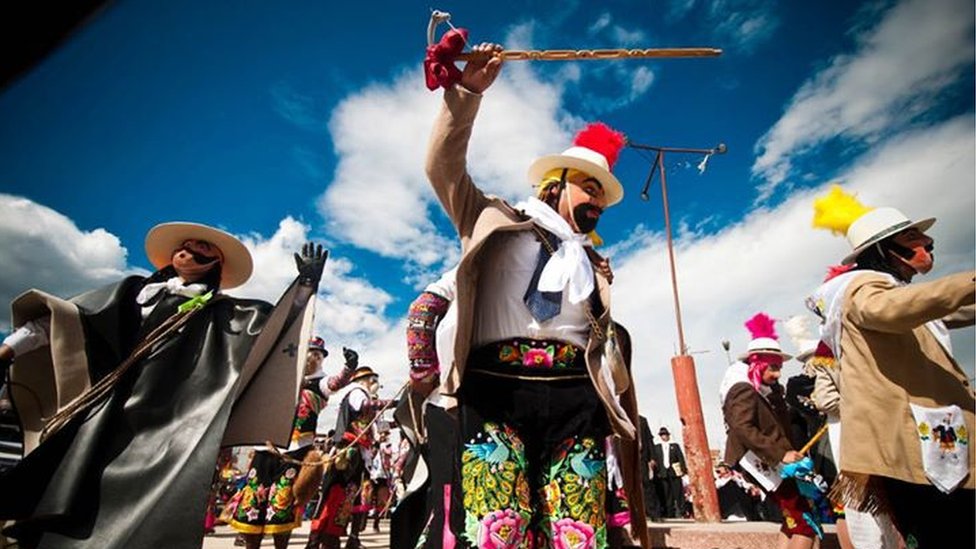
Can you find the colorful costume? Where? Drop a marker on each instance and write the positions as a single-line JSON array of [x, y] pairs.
[[530, 395], [267, 502], [758, 422], [133, 469], [899, 378], [343, 482]]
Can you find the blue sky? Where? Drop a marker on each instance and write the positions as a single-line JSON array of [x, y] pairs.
[[280, 122]]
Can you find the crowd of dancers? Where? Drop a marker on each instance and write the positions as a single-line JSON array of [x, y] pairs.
[[520, 417]]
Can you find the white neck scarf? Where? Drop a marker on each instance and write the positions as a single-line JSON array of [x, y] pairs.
[[172, 286], [568, 265]]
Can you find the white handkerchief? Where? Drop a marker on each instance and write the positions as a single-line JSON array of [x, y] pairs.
[[944, 440]]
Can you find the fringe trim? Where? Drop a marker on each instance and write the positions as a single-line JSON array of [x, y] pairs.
[[860, 492]]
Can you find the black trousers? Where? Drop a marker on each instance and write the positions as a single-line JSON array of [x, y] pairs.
[[936, 520], [674, 496]]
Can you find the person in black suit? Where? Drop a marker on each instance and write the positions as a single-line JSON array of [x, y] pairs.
[[652, 501], [668, 470]]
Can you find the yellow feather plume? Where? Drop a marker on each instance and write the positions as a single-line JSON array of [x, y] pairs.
[[837, 210]]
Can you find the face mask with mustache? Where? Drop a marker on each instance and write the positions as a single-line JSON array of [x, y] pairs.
[[582, 217]]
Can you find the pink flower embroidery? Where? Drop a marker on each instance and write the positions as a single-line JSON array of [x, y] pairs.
[[568, 533], [537, 358], [500, 530]]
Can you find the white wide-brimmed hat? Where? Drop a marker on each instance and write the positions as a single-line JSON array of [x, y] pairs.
[[764, 346], [800, 329], [875, 226], [165, 238], [594, 153]]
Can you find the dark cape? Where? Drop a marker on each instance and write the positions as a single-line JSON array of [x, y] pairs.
[[135, 469]]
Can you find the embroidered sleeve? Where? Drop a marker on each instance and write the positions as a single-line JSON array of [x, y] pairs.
[[425, 314], [336, 382]]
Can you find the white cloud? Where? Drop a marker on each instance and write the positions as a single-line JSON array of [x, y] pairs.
[[620, 36], [274, 265], [679, 8], [773, 258], [737, 25], [902, 63], [641, 81], [349, 310], [601, 23], [44, 249], [380, 199]]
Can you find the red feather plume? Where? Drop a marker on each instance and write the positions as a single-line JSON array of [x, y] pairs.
[[762, 325], [836, 270], [601, 138]]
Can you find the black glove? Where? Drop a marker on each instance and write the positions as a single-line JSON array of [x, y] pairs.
[[310, 264], [352, 358]]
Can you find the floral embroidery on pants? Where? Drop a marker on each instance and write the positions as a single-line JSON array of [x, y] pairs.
[[496, 491], [575, 496], [497, 501]]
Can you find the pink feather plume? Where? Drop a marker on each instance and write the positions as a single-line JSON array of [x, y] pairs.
[[762, 325], [601, 138]]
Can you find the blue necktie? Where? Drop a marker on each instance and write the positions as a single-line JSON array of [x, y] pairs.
[[543, 305]]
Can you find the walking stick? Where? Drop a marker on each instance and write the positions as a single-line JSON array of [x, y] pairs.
[[816, 437], [437, 17], [441, 72]]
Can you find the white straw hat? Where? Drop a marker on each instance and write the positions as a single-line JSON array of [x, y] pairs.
[[875, 226], [165, 238], [585, 160], [764, 346], [594, 152]]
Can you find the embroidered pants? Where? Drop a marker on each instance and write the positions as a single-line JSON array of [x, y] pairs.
[[532, 470]]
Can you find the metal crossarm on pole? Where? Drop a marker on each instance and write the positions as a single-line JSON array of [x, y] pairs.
[[704, 494]]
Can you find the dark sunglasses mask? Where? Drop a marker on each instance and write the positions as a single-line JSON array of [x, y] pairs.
[[199, 258]]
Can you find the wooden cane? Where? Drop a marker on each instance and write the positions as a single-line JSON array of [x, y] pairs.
[[614, 53], [816, 437]]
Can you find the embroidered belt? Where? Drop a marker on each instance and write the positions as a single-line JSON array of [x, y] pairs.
[[533, 359]]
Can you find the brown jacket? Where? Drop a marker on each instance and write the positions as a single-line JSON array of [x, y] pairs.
[[756, 424], [890, 359], [478, 218]]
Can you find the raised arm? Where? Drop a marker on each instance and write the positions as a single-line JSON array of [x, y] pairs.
[[877, 304], [448, 147]]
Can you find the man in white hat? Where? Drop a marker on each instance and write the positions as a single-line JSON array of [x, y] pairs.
[[900, 383], [757, 422], [126, 393], [342, 505], [533, 392]]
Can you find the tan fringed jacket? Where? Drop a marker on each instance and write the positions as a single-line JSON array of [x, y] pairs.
[[890, 359]]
